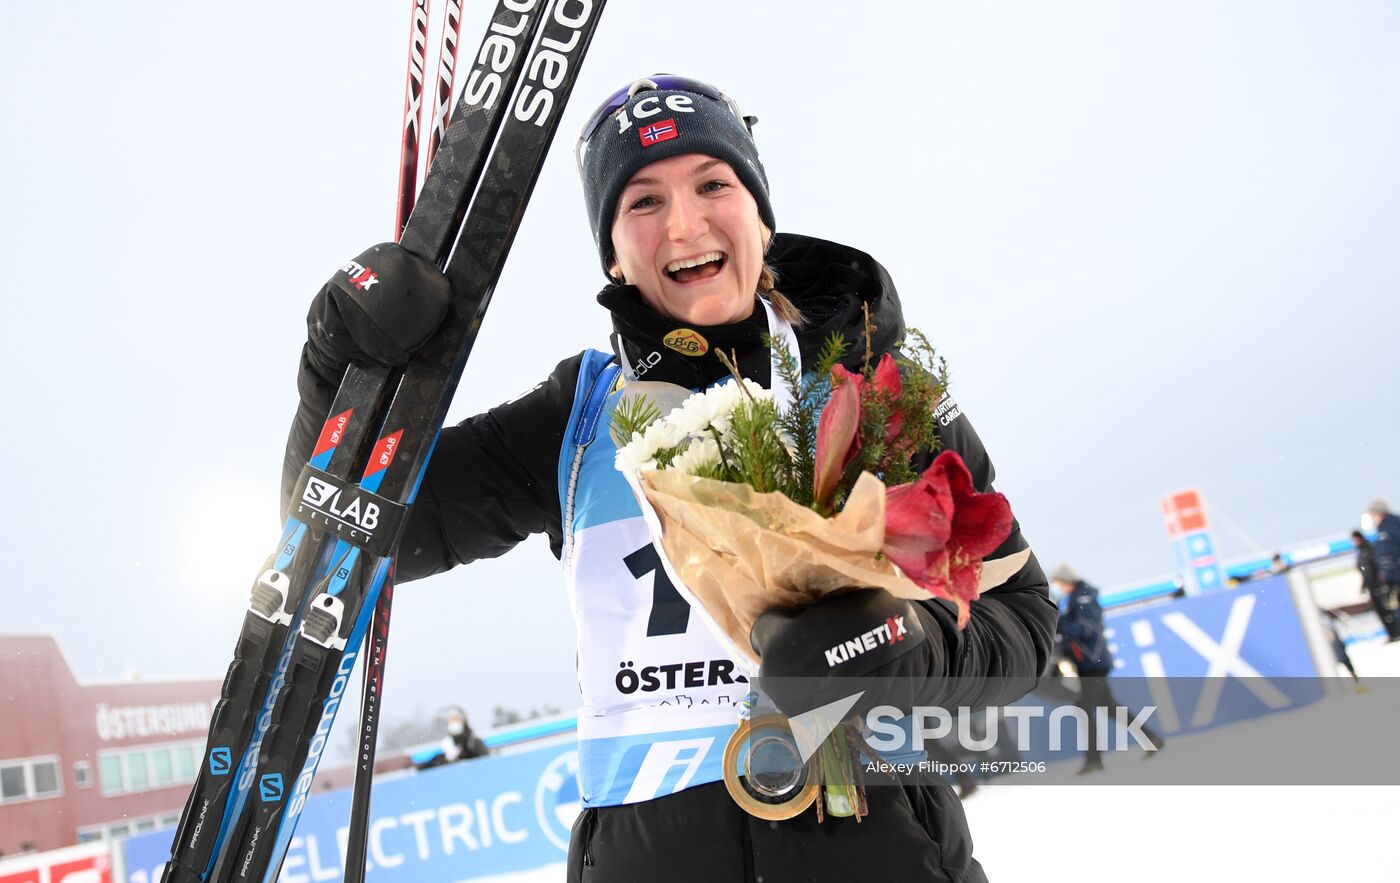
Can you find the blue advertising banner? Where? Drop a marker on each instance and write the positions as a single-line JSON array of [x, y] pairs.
[[1215, 659], [1248, 631], [1200, 662], [457, 822]]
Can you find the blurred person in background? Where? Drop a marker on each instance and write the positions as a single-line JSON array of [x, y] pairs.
[[1339, 647], [1387, 557], [460, 743], [1084, 645], [1383, 602]]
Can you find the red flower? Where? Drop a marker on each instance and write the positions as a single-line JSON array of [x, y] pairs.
[[939, 528], [890, 384], [918, 523], [838, 436]]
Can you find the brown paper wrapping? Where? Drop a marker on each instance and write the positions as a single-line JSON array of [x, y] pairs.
[[740, 552]]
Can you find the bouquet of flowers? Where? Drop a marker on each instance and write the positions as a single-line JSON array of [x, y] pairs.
[[763, 498]]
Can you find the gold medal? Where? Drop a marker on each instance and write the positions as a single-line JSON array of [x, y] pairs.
[[764, 771]]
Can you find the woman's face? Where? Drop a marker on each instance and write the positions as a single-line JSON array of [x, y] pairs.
[[688, 235]]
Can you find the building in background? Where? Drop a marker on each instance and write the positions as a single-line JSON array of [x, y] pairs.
[[82, 762]]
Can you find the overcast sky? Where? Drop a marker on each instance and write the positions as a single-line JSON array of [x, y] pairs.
[[1156, 242]]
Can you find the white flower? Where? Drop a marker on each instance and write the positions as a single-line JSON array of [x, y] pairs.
[[724, 397], [758, 392], [691, 426], [700, 454], [694, 414], [635, 456], [664, 434]]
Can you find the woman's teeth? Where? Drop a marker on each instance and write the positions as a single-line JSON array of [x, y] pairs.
[[690, 269]]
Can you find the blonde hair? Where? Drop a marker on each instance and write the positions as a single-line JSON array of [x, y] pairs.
[[767, 282]]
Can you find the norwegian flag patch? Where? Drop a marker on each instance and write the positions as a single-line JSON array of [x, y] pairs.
[[658, 132]]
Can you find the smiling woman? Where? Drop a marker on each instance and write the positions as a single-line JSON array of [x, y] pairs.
[[679, 207], [688, 235], [665, 204]]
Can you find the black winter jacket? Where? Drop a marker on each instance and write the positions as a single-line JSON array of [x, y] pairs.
[[1366, 564], [1387, 549], [1081, 631], [492, 482]]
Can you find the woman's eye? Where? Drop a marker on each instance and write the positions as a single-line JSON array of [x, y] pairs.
[[643, 202], [713, 186]]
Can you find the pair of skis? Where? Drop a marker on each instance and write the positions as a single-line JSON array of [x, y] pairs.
[[312, 604], [377, 642]]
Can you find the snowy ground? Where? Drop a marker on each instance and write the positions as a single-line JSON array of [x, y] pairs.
[[1157, 833], [1052, 833]]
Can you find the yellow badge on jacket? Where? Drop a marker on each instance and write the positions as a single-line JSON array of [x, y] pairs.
[[687, 342]]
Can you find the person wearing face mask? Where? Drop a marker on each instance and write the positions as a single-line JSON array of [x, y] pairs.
[[679, 207], [460, 743]]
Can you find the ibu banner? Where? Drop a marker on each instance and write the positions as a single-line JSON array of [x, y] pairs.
[[459, 822]]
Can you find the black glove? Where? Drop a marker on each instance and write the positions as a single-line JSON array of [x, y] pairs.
[[377, 309], [860, 640]]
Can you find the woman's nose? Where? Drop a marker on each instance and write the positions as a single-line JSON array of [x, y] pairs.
[[685, 220]]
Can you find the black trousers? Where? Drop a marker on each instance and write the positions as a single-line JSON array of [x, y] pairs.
[[1383, 600], [915, 831], [1094, 692]]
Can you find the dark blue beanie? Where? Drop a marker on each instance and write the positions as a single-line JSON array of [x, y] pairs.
[[658, 124]]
